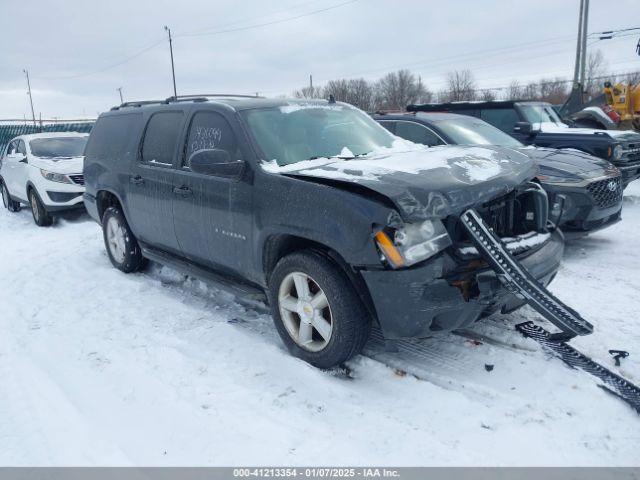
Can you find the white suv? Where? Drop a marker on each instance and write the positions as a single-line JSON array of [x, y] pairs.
[[43, 170]]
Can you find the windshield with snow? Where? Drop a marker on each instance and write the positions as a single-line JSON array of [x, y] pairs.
[[62, 147], [294, 133], [539, 113], [473, 131]]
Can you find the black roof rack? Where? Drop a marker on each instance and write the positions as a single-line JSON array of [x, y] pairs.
[[183, 98], [202, 97], [139, 103], [453, 106]]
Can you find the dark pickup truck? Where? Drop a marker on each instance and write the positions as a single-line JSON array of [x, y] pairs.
[[537, 123]]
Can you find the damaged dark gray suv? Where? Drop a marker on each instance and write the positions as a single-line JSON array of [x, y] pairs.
[[317, 208]]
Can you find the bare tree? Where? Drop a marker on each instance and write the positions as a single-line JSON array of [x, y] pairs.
[[531, 92], [357, 92], [308, 92], [461, 85], [396, 90], [514, 91], [338, 88], [487, 95], [361, 94], [553, 90], [596, 69]]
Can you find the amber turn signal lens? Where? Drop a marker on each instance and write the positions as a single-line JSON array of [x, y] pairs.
[[390, 252]]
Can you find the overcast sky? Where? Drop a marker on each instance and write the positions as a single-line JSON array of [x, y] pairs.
[[70, 47]]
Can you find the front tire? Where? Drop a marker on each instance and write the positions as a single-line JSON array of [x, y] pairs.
[[41, 217], [316, 310], [7, 201], [122, 247]]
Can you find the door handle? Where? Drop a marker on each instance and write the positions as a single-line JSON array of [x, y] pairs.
[[183, 191], [137, 180]]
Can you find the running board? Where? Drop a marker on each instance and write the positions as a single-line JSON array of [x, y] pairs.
[[517, 279], [241, 290], [613, 383]]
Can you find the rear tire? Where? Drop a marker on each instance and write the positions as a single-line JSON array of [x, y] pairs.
[[7, 201], [122, 246], [41, 217], [316, 310]]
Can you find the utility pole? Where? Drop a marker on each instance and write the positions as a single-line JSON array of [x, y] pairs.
[[119, 89], [576, 71], [585, 32], [581, 47], [33, 113], [173, 70], [311, 83]]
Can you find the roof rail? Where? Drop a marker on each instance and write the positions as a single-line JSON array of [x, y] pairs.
[[202, 97], [139, 104], [183, 98]]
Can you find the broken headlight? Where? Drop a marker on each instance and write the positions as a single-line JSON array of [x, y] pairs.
[[412, 243]]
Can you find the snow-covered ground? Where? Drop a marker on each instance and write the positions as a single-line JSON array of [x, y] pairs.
[[102, 368]]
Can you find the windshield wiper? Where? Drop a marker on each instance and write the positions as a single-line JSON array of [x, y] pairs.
[[341, 157]]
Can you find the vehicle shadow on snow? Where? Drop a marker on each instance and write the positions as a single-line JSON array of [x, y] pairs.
[[447, 360], [583, 247]]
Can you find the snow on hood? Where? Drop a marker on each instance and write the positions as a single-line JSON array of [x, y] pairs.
[[550, 127], [424, 182], [66, 165]]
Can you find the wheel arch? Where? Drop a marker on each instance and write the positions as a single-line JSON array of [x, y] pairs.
[[278, 246], [105, 199]]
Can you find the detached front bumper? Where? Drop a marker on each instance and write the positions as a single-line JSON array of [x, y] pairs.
[[419, 302]]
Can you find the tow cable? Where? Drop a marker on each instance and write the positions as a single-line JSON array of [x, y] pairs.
[[517, 280]]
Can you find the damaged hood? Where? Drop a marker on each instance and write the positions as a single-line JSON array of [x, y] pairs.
[[568, 163], [424, 182]]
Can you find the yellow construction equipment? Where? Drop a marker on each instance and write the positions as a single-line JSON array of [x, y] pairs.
[[623, 104]]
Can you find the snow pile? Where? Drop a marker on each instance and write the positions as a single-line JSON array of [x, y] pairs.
[[551, 127], [295, 107], [103, 368], [480, 170]]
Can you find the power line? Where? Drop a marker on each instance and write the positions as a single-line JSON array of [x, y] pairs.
[[108, 67], [274, 22], [248, 19], [195, 34]]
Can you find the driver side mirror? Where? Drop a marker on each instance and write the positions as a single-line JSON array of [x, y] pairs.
[[525, 128], [18, 157], [216, 162]]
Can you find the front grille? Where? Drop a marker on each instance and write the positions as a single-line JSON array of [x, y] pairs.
[[607, 192], [498, 214], [77, 179]]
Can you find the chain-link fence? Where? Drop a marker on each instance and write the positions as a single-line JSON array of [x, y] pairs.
[[10, 128]]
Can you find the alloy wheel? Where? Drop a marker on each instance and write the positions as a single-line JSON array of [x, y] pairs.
[[5, 196], [116, 240], [305, 311], [34, 206]]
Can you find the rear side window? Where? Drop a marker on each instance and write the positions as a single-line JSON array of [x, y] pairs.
[[391, 126], [210, 130], [161, 137], [114, 136], [12, 148], [503, 118], [417, 133], [471, 112]]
